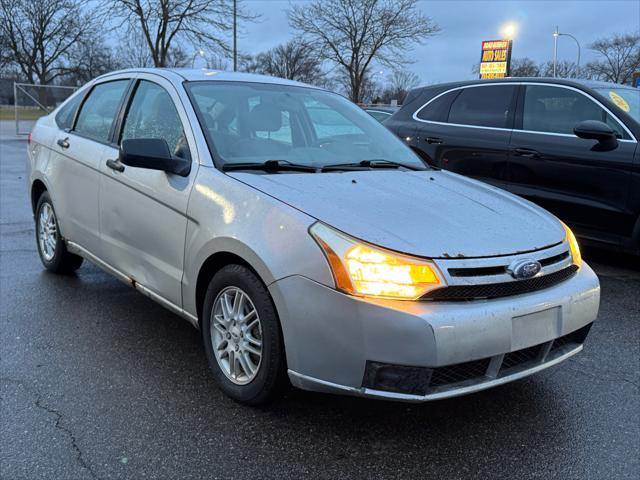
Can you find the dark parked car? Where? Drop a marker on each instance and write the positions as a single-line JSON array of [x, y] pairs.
[[569, 146]]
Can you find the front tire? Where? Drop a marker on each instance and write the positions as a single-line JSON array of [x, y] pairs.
[[51, 247], [242, 338]]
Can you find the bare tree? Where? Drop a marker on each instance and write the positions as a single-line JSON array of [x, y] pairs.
[[134, 51], [178, 58], [370, 88], [294, 60], [524, 67], [91, 58], [564, 69], [371, 91], [38, 36], [8, 75], [219, 62], [619, 57], [398, 85], [354, 33], [163, 23]]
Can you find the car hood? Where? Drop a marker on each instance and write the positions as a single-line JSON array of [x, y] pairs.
[[425, 213]]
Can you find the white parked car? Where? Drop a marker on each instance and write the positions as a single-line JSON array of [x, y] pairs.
[[303, 239]]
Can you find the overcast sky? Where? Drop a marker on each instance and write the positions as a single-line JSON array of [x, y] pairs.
[[465, 23]]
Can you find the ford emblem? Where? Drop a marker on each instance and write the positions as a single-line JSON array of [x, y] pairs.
[[521, 269]]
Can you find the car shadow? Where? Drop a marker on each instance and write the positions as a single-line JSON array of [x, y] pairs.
[[601, 256]]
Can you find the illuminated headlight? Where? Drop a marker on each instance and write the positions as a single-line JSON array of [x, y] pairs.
[[362, 269], [573, 245]]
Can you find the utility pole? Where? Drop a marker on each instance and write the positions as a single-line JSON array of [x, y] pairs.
[[235, 36]]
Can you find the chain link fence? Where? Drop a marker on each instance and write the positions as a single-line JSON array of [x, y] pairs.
[[31, 101]]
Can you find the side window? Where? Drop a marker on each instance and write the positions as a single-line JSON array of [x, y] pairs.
[[557, 110], [99, 109], [485, 106], [64, 117], [328, 122], [152, 114], [616, 127], [438, 109]]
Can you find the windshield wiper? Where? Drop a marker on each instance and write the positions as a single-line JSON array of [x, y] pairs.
[[270, 166], [367, 164]]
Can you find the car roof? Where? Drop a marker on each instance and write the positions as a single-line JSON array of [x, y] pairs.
[[572, 82], [205, 74]]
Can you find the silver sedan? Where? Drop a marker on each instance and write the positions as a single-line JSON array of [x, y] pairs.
[[306, 242]]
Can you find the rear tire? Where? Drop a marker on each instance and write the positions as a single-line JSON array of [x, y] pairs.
[[242, 337], [51, 247]]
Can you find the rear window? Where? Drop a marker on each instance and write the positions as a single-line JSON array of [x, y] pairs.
[[64, 117], [328, 122], [99, 109], [437, 110], [484, 106]]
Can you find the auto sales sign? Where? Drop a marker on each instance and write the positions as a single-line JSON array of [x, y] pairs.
[[495, 61]]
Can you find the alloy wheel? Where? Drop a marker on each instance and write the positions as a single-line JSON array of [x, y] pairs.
[[236, 335], [47, 232]]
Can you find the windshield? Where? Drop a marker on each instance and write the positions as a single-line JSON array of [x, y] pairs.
[[256, 123], [626, 99]]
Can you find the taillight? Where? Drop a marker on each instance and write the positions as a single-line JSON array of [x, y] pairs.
[[29, 139]]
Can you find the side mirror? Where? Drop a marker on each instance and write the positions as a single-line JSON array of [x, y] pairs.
[[154, 154], [596, 130]]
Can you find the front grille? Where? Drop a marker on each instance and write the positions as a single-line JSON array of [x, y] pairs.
[[423, 380], [477, 271], [503, 289], [573, 338], [475, 372], [459, 372], [502, 269], [545, 262], [519, 357]]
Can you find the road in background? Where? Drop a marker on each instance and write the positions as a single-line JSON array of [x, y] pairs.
[[97, 381]]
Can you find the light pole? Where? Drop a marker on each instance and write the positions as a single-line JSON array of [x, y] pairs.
[[195, 55], [557, 34]]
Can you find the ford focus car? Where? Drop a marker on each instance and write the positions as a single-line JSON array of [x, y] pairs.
[[304, 240]]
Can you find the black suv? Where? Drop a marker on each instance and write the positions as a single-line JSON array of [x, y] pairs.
[[569, 146]]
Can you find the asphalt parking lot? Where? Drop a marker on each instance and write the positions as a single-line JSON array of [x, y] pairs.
[[97, 381]]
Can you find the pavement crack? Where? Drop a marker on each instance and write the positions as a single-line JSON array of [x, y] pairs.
[[58, 424], [69, 433]]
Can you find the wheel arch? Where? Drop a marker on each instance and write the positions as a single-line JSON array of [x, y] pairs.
[[38, 187], [229, 251]]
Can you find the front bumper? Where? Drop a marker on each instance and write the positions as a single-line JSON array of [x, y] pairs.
[[330, 337]]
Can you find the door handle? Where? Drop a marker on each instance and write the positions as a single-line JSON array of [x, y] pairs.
[[527, 152], [115, 165], [433, 140], [63, 142]]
